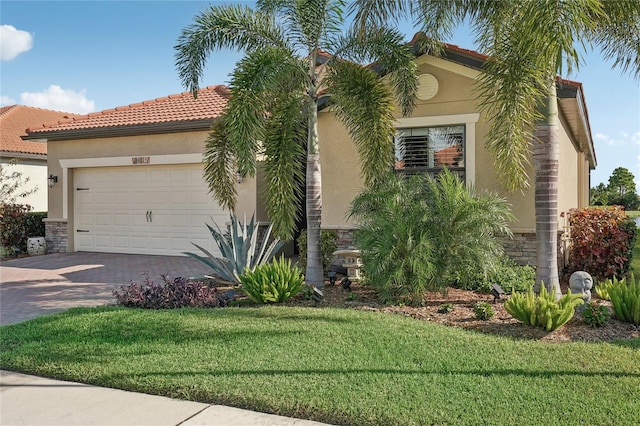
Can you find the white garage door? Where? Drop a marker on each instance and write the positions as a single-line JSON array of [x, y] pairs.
[[144, 210]]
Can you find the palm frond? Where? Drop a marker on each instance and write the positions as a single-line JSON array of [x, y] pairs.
[[284, 159], [220, 166], [393, 59], [377, 12], [363, 103], [260, 78], [223, 27], [617, 33]]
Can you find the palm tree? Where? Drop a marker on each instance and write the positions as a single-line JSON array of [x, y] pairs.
[[275, 93], [529, 42]]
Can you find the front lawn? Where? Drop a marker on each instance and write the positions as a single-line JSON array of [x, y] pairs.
[[340, 366]]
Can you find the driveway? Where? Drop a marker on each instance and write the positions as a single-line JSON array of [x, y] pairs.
[[42, 285]]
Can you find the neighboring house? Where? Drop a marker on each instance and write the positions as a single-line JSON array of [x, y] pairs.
[[27, 157], [131, 178]]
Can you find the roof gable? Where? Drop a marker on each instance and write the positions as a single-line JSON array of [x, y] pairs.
[[14, 122]]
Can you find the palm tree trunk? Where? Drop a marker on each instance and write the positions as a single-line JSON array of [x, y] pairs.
[[314, 274], [546, 156]]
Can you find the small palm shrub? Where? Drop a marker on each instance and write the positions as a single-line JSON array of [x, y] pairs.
[[274, 282], [419, 233], [625, 300], [483, 311], [239, 249], [170, 294], [595, 314], [543, 310]]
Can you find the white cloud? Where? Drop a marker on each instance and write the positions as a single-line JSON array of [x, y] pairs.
[[7, 100], [13, 42], [57, 98]]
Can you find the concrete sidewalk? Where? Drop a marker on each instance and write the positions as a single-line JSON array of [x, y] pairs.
[[29, 400]]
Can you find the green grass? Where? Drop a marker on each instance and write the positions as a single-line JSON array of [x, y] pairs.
[[332, 365]]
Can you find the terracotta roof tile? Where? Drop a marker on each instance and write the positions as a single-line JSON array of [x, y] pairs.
[[14, 121], [180, 107]]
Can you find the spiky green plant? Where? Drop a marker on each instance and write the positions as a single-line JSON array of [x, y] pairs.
[[239, 249], [273, 282], [543, 310], [625, 300]]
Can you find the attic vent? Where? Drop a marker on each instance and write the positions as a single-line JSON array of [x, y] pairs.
[[427, 86]]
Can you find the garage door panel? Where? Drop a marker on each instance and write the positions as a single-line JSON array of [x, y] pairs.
[[121, 219], [144, 209]]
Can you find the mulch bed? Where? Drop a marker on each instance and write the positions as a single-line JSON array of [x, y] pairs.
[[502, 324]]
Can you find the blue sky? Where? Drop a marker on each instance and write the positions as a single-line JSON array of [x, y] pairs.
[[85, 56]]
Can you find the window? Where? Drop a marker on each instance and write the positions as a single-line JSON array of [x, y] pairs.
[[429, 149]]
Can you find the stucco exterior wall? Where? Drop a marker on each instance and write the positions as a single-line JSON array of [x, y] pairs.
[[36, 171], [568, 172]]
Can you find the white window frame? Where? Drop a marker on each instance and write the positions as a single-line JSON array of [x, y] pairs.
[[468, 120]]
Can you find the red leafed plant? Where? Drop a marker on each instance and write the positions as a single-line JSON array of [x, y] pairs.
[[601, 241]]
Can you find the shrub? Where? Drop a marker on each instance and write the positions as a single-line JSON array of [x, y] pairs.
[[506, 273], [171, 294], [601, 242], [419, 233], [274, 282], [483, 311], [33, 224], [543, 310], [625, 300], [595, 314], [328, 244], [239, 249], [445, 308], [13, 233]]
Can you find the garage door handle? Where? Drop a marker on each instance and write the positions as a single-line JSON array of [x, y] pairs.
[[82, 230]]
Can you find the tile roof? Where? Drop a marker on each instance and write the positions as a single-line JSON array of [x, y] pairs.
[[14, 121], [181, 107]]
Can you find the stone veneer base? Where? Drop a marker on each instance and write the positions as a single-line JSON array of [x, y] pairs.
[[55, 233]]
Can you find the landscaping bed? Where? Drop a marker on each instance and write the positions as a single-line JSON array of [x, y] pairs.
[[463, 316]]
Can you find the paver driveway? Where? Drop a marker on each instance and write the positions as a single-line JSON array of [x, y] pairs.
[[35, 286]]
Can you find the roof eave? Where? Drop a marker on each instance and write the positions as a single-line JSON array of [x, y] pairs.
[[571, 99], [23, 155], [118, 131]]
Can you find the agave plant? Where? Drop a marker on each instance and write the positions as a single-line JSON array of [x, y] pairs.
[[239, 249]]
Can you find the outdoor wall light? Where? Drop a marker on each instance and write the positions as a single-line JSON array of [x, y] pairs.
[[52, 180], [239, 177]]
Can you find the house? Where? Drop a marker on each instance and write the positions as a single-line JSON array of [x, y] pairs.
[[27, 157], [447, 127], [131, 179]]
